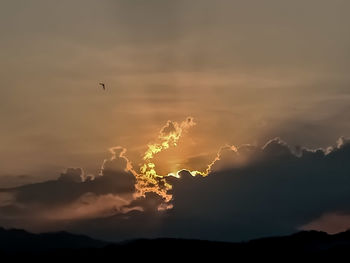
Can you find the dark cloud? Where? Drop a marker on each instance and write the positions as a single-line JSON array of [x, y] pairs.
[[14, 180], [251, 192], [274, 192], [265, 191], [72, 188], [148, 203], [72, 175]]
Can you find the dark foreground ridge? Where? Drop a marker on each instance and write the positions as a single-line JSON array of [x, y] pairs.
[[21, 244]]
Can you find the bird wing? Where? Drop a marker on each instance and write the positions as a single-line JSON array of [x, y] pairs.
[[102, 85]]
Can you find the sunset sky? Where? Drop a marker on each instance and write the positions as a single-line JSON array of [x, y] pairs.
[[243, 71]]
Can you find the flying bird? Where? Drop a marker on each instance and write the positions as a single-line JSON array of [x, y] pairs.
[[102, 85]]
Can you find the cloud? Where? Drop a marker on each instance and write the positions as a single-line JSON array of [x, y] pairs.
[[150, 202], [118, 188], [332, 223], [148, 180], [72, 175], [249, 192], [90, 205], [74, 195], [272, 192]]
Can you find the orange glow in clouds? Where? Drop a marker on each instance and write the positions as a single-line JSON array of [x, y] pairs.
[[148, 180]]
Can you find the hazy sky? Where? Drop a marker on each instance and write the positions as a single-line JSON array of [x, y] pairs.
[[247, 71], [218, 79]]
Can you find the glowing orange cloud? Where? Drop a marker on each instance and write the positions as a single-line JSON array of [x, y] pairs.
[[148, 180], [209, 167]]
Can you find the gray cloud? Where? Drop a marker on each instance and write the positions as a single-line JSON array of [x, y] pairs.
[[273, 192], [73, 194], [252, 191]]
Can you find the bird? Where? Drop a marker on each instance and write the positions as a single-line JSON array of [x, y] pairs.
[[102, 85]]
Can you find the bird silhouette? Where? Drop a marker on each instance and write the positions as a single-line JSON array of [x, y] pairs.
[[102, 85]]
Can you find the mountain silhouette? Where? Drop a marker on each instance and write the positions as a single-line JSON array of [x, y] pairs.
[[16, 243], [16, 240]]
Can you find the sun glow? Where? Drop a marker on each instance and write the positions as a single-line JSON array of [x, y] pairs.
[[147, 179]]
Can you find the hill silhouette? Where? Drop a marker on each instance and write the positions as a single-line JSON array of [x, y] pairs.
[[16, 240], [16, 243]]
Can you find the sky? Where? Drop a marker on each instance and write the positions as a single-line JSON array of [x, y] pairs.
[[191, 78]]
